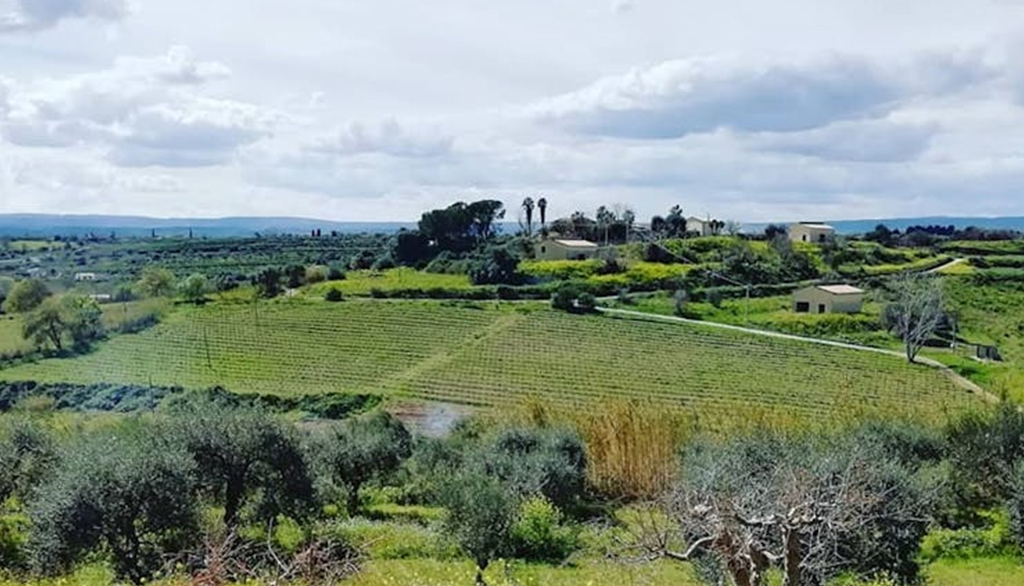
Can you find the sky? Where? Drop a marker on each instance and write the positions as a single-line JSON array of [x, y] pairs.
[[370, 110]]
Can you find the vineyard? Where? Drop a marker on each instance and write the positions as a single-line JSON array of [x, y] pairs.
[[487, 355]]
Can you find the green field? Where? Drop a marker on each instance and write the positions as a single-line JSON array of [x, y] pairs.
[[484, 355], [364, 282]]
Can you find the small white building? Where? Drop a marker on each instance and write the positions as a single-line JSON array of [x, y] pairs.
[[559, 249], [814, 232], [699, 226], [102, 298], [85, 277], [829, 299]]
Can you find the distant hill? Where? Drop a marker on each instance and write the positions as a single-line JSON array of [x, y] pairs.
[[862, 226], [48, 225]]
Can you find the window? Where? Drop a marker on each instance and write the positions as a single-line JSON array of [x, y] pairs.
[[821, 308], [804, 237], [803, 307], [543, 249]]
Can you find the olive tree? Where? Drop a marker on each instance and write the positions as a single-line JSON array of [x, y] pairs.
[[481, 512], [117, 494], [361, 449], [812, 510], [243, 457], [27, 456]]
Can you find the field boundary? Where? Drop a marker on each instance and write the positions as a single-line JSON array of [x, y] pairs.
[[957, 379]]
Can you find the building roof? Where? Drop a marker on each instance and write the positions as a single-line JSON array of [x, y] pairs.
[[695, 219], [840, 289], [576, 243], [817, 225]]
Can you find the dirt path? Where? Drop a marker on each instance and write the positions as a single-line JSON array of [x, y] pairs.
[[957, 379], [945, 266]]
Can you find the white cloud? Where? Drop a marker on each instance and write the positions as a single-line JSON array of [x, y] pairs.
[[28, 15], [389, 138], [144, 111], [695, 95], [623, 6]]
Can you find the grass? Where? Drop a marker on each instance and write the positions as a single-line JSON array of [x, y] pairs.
[[362, 283], [35, 245], [426, 572], [464, 353], [976, 572], [776, 314]]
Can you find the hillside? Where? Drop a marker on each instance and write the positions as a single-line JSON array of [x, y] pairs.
[[471, 354]]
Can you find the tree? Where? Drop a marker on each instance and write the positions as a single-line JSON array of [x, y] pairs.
[[528, 206], [916, 311], [25, 296], [156, 282], [542, 207], [498, 266], [675, 222], [811, 509], [836, 251], [27, 456], [46, 325], [362, 449], [733, 228], [773, 231], [121, 494], [984, 448], [82, 320], [268, 283], [480, 516], [243, 457], [193, 289]]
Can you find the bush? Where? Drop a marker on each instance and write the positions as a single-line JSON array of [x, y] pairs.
[[316, 274], [1016, 508], [532, 462], [334, 295], [335, 274], [120, 494], [539, 534]]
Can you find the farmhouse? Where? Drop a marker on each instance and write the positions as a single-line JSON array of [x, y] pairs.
[[828, 299], [699, 226], [557, 249], [101, 298], [810, 232], [85, 276]]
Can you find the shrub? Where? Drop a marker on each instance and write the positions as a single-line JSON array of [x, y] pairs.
[[586, 303], [1016, 508], [537, 462], [316, 274], [335, 274], [120, 494], [539, 534], [334, 295], [27, 457]]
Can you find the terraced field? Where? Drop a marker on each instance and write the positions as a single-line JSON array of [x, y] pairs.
[[490, 356]]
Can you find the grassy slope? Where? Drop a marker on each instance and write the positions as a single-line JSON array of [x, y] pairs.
[[483, 355], [362, 282]]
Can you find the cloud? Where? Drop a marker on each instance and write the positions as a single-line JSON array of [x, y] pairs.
[[388, 138], [686, 96], [623, 6], [142, 111], [31, 15], [866, 141]]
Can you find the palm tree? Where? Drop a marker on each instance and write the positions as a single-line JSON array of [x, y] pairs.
[[528, 208], [542, 205]]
